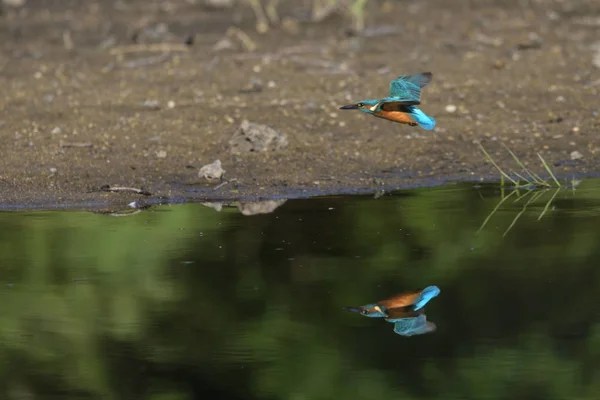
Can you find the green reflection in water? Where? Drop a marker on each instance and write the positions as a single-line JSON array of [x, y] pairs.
[[186, 302]]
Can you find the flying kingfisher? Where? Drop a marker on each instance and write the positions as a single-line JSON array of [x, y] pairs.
[[404, 310], [404, 302], [400, 105]]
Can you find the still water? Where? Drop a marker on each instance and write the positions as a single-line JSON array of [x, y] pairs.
[[198, 302]]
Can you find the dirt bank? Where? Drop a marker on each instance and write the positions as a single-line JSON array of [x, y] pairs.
[[81, 110]]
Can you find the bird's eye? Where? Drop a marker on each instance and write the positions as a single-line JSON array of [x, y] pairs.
[[360, 104], [363, 312]]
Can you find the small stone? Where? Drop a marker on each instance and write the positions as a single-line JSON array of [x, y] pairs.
[[161, 154], [212, 171], [560, 99], [251, 137], [451, 108], [254, 86], [171, 104], [56, 130], [575, 155], [154, 104], [223, 44]]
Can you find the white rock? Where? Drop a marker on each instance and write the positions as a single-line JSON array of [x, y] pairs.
[[212, 171], [451, 108], [575, 155]]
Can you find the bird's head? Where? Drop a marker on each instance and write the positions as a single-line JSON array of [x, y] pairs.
[[367, 106], [370, 310]]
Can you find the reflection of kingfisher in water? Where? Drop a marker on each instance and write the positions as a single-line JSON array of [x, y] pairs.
[[401, 104], [404, 310], [410, 323]]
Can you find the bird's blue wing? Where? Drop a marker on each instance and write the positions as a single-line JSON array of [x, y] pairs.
[[407, 88], [427, 294]]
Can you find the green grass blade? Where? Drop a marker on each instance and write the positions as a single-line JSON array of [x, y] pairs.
[[548, 203], [496, 165], [534, 178], [494, 211], [523, 196], [531, 200], [549, 170]]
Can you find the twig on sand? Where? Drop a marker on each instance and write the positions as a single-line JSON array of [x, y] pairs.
[[123, 189], [220, 185], [66, 144], [148, 61], [150, 48], [327, 65], [247, 42], [283, 52]]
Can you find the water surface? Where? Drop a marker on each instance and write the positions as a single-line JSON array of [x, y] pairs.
[[187, 302]]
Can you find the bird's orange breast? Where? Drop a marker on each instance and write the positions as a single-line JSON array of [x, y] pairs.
[[396, 116]]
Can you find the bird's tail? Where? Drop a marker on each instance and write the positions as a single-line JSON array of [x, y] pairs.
[[427, 294], [425, 121]]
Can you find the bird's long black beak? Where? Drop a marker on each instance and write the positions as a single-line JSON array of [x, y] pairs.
[[353, 309], [349, 107]]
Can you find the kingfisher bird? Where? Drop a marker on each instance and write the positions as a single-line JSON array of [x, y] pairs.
[[401, 303], [401, 104]]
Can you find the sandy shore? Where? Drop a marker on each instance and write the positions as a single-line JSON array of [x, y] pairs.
[[84, 105]]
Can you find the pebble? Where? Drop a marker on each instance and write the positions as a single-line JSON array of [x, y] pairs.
[[451, 108], [161, 154], [575, 155], [212, 171], [154, 104]]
